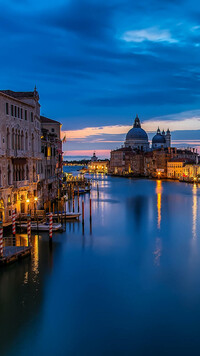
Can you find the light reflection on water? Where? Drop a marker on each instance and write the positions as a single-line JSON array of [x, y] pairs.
[[132, 274], [194, 212]]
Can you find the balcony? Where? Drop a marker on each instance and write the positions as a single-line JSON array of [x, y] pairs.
[[21, 184], [51, 179]]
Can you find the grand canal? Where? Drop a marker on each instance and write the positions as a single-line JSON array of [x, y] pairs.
[[128, 285]]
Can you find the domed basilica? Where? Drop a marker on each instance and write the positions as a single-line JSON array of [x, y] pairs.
[[137, 138]]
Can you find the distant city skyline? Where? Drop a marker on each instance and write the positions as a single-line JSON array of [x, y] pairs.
[[98, 63]]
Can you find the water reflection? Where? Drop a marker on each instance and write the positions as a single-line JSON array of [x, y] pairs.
[[158, 252], [159, 201], [116, 274], [194, 212]]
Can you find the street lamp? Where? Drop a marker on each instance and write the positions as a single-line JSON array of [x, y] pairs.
[[28, 201], [35, 202]]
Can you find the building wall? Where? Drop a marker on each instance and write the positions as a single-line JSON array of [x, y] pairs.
[[98, 166], [20, 155], [23, 180], [175, 169]]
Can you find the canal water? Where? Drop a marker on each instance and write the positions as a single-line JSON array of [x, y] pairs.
[[128, 285]]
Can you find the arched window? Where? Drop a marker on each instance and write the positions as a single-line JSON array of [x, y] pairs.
[[22, 140], [13, 139], [26, 142], [19, 143], [9, 175], [32, 143], [16, 139], [8, 138]]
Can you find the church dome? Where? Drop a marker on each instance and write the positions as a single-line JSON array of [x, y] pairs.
[[137, 133], [158, 138], [137, 138]]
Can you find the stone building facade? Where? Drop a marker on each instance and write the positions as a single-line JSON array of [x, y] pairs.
[[51, 147], [22, 164], [137, 158], [175, 168], [150, 164]]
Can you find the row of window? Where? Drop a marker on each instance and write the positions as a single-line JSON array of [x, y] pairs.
[[17, 112], [176, 166]]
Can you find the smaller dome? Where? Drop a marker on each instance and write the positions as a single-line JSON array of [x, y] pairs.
[[158, 138]]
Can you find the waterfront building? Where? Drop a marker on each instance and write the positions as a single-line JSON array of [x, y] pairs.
[[175, 168], [126, 161], [51, 147], [98, 166], [155, 163], [22, 163], [191, 172], [20, 151], [137, 158]]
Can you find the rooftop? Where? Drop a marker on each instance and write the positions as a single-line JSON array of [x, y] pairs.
[[20, 94], [46, 120]]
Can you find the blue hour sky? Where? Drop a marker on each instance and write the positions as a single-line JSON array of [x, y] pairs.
[[98, 63]]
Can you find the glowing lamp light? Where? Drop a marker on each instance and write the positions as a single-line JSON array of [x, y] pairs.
[[28, 200], [35, 198]]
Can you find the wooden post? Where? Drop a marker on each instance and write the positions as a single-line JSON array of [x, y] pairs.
[[50, 225], [98, 189], [29, 230], [90, 209], [78, 199], [1, 239], [83, 212], [53, 208], [49, 206], [73, 200]]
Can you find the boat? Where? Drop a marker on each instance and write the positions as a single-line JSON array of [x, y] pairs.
[[41, 226], [72, 215], [68, 215]]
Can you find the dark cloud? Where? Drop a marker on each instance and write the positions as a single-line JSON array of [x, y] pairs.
[[75, 52], [89, 19]]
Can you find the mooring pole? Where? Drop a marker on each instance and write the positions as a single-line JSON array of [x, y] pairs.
[[1, 239], [50, 226], [78, 199], [13, 227], [83, 212], [29, 230], [73, 199], [90, 209]]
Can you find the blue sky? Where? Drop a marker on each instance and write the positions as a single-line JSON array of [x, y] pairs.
[[98, 63]]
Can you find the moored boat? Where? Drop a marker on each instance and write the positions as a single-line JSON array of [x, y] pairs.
[[40, 226]]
